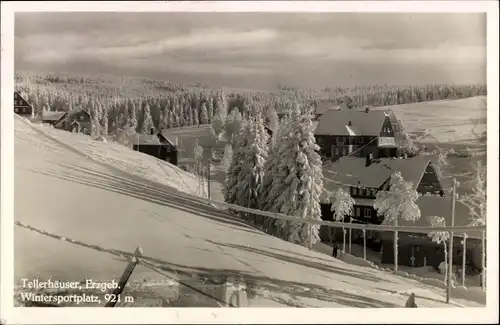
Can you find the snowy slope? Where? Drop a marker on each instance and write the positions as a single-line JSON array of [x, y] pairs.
[[191, 251]]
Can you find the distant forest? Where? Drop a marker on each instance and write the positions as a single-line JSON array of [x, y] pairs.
[[113, 101]]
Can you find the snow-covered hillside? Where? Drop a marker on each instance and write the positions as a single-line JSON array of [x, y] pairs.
[[86, 216]]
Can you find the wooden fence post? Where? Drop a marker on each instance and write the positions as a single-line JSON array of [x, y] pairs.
[[125, 276], [364, 244], [464, 258]]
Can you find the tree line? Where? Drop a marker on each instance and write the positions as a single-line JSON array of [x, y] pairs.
[[135, 105]]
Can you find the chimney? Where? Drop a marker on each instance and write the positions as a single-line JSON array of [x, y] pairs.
[[369, 159], [350, 123], [367, 109]]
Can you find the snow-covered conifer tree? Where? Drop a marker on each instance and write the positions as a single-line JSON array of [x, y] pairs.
[[252, 171], [132, 117], [397, 203], [239, 143], [204, 114], [196, 118], [105, 121], [147, 124], [227, 157], [272, 117], [301, 168], [220, 116], [162, 123], [233, 123]]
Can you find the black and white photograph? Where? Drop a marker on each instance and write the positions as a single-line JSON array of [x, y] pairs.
[[237, 159]]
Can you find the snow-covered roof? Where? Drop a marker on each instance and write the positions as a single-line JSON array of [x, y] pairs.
[[52, 116], [353, 170], [360, 122], [441, 206]]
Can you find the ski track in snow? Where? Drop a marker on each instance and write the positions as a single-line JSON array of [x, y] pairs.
[[58, 189]]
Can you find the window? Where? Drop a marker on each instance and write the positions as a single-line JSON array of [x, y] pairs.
[[362, 192], [358, 212], [340, 140], [355, 191], [337, 151], [81, 117], [344, 151], [16, 109], [359, 140], [15, 96], [368, 213]]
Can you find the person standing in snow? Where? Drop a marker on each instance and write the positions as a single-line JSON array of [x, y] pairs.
[[410, 303], [335, 250]]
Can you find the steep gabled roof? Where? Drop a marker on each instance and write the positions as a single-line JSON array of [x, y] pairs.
[[22, 98], [353, 170], [145, 139], [361, 123], [76, 111], [52, 116], [168, 137]]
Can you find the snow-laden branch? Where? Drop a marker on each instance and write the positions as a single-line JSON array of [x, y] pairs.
[[399, 201], [476, 201]]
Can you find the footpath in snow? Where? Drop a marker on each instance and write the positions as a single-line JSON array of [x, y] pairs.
[[80, 218]]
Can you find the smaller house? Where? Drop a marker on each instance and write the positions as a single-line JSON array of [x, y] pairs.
[[22, 107], [52, 118], [158, 145], [67, 121]]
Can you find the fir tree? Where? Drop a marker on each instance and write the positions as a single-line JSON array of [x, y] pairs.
[[147, 124], [220, 115], [196, 119], [252, 171], [233, 124], [227, 157], [132, 117], [105, 122], [302, 183], [237, 161], [204, 114]]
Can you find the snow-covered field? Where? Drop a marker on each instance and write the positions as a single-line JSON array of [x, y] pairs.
[[86, 216], [448, 120]]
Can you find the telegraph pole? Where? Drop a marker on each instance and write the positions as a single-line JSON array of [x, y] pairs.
[[208, 176], [450, 243]]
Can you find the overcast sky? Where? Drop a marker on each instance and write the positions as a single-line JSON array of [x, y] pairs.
[[258, 50]]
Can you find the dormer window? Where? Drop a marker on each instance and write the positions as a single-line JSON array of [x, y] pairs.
[[354, 191]]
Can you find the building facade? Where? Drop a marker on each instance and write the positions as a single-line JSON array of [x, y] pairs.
[[76, 120], [356, 133], [22, 107]]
